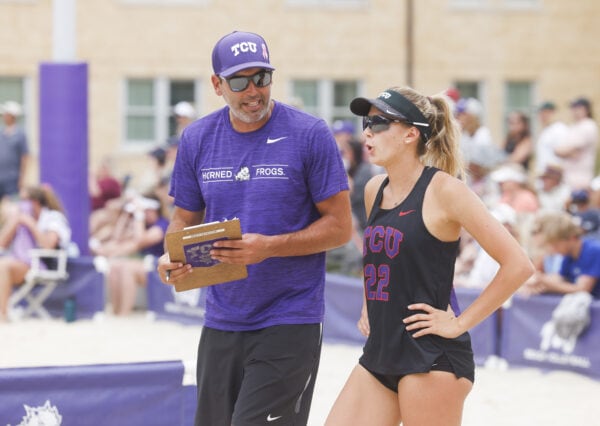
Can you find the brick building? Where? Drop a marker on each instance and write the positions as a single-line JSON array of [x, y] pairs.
[[145, 55]]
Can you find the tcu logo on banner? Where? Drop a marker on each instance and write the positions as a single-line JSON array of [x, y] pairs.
[[243, 47], [46, 415]]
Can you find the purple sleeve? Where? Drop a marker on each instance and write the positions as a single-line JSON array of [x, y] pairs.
[[185, 188]]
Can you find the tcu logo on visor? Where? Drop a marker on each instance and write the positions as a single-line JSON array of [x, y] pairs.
[[384, 95], [243, 47]]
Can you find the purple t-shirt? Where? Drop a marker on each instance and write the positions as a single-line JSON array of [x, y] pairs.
[[270, 179]]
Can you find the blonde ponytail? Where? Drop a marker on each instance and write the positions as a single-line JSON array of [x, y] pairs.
[[442, 150]]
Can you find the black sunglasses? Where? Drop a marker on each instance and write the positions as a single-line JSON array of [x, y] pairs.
[[240, 83], [378, 123]]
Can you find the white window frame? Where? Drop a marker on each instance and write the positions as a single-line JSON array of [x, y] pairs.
[[161, 111], [325, 107], [327, 3], [528, 109]]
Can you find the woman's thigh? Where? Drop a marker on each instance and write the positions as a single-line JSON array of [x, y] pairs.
[[364, 401], [432, 399]]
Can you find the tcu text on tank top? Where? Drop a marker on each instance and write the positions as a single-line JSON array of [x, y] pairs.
[[405, 264]]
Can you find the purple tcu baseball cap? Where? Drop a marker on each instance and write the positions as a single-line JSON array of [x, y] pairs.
[[240, 50]]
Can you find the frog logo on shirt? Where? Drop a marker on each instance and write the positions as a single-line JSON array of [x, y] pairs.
[[243, 174]]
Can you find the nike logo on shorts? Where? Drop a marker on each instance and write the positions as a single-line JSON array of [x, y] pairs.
[[269, 140], [272, 419]]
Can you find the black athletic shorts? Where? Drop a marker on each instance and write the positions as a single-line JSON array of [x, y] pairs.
[[390, 381], [261, 377]]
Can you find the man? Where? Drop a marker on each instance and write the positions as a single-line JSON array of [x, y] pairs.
[[14, 151], [578, 149], [580, 268], [552, 134], [552, 192], [278, 170], [469, 113]]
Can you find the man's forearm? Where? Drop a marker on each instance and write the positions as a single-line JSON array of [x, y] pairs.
[[326, 233]]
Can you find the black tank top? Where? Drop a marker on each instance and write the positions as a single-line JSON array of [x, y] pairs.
[[405, 264]]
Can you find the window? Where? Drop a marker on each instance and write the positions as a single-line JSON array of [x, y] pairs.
[[327, 99], [166, 2], [148, 108], [521, 4], [13, 89], [468, 89], [518, 97], [494, 5], [332, 3], [470, 4]]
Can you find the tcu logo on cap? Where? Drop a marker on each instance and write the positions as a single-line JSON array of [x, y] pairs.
[[243, 47], [384, 95]]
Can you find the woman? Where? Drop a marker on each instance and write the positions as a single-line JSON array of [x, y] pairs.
[[40, 222], [126, 255], [518, 144], [417, 364]]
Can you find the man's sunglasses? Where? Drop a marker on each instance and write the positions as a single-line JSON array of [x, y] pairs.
[[378, 123], [240, 83]]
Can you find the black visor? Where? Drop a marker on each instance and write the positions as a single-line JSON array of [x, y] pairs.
[[393, 104]]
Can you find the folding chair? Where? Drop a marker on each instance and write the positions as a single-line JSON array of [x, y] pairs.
[[40, 275]]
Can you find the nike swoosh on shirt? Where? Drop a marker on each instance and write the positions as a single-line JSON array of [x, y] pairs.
[[404, 213], [269, 140]]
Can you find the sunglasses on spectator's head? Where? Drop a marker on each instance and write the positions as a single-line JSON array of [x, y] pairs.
[[378, 123], [240, 83]]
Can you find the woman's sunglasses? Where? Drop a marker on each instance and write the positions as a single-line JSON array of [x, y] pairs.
[[241, 83], [378, 123]]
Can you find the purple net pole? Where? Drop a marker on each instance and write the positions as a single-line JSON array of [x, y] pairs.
[[64, 141]]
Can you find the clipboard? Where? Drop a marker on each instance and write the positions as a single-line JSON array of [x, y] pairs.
[[192, 245]]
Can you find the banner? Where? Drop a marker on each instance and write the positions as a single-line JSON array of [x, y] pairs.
[[85, 285], [143, 394], [186, 307], [485, 337], [529, 337]]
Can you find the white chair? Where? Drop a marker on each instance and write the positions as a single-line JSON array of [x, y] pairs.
[[47, 278]]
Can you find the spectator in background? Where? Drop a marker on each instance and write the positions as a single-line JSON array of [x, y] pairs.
[[580, 267], [578, 149], [103, 185], [126, 253], [347, 259], [579, 206], [452, 95], [359, 173], [108, 222], [552, 192], [514, 190], [14, 150], [154, 173], [469, 113], [595, 192], [518, 145], [38, 221], [184, 113], [484, 267], [484, 158], [552, 134], [343, 132]]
